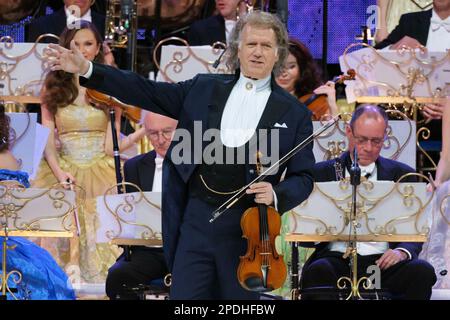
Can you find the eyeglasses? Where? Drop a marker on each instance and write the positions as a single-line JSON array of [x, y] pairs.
[[373, 141], [166, 134]]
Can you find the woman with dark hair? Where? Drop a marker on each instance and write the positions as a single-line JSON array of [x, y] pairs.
[[42, 278], [85, 155], [301, 77]]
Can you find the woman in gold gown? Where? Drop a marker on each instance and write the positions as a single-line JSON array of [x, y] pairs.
[[437, 249], [83, 154]]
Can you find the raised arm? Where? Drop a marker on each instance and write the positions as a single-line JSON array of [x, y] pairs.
[[159, 97], [382, 29]]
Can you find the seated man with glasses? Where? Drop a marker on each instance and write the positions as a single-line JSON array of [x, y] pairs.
[[144, 264], [402, 273]]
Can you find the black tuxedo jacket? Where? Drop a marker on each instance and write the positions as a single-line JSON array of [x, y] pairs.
[[197, 100], [387, 170], [140, 170], [56, 22], [415, 25], [207, 31]]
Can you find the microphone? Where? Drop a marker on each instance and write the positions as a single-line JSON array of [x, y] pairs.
[[355, 158], [355, 171], [217, 62]]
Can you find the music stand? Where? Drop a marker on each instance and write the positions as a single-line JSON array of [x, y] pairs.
[[396, 76], [133, 219], [56, 217], [183, 62], [385, 212]]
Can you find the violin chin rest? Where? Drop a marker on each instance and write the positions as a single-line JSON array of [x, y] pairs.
[[256, 284]]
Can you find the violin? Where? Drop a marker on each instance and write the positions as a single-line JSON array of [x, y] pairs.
[[318, 103], [261, 269], [131, 112]]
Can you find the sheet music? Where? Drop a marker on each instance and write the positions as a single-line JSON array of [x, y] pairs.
[[42, 134]]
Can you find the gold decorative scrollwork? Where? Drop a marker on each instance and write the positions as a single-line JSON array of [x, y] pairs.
[[14, 199], [391, 139], [412, 75], [354, 286], [6, 69], [333, 148], [366, 205], [16, 278], [123, 209], [178, 58], [425, 134], [403, 96]]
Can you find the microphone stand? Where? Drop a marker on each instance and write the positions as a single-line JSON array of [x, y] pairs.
[[116, 152], [352, 251]]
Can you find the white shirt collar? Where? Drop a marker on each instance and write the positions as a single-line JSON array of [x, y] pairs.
[[251, 84], [70, 18], [436, 17], [436, 23], [438, 34], [367, 169]]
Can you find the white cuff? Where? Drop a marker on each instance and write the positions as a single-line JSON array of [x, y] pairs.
[[88, 74], [405, 251], [275, 200]]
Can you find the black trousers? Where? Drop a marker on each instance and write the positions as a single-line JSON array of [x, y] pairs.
[[146, 264], [410, 280]]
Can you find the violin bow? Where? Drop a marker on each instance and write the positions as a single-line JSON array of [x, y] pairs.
[[232, 200]]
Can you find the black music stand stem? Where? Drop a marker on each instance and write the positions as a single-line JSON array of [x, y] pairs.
[[120, 190]]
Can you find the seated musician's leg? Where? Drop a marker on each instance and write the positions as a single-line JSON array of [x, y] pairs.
[[410, 280], [321, 274], [145, 265]]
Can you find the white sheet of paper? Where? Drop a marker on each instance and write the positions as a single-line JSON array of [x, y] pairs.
[[367, 64], [25, 131], [138, 212], [42, 134], [191, 66], [28, 72]]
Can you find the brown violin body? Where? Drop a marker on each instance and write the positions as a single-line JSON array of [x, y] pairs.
[[318, 105], [261, 269], [133, 113]]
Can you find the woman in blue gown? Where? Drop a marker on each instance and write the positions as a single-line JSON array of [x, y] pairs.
[[42, 278]]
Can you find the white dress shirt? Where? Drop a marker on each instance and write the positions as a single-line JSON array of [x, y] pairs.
[[243, 110], [157, 177], [73, 16], [438, 34], [365, 248]]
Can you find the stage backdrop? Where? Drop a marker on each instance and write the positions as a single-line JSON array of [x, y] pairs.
[[345, 18]]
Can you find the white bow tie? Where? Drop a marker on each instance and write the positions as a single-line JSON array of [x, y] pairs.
[[159, 163], [436, 24]]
